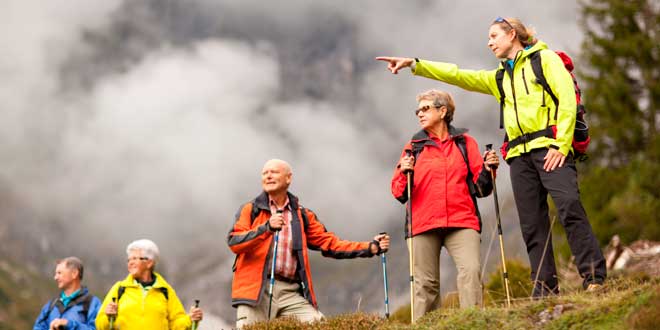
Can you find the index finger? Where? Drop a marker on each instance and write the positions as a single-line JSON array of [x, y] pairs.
[[385, 58]]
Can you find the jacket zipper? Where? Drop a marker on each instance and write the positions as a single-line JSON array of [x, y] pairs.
[[515, 104], [525, 81]]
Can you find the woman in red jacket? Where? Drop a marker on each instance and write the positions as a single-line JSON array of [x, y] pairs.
[[447, 166]]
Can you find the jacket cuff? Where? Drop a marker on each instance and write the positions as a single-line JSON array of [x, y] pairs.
[[377, 244], [563, 149], [268, 229]]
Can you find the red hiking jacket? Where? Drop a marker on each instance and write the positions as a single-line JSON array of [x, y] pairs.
[[440, 194]]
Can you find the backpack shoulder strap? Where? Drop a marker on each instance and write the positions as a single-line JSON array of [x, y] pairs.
[[254, 213], [460, 143], [472, 189], [303, 212], [417, 148], [499, 79], [165, 292], [537, 67], [86, 301], [120, 292]]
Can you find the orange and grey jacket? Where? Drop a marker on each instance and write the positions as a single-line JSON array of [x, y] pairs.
[[251, 240]]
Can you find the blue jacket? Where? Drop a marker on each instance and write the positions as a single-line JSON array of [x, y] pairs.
[[75, 313]]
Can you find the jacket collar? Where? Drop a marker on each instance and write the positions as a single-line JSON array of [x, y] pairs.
[[261, 201], [539, 45], [129, 281], [423, 135]]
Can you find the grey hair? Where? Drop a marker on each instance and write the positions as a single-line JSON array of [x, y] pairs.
[[148, 248], [72, 263]]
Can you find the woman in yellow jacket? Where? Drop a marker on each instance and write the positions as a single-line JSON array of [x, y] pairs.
[[540, 162], [144, 300]]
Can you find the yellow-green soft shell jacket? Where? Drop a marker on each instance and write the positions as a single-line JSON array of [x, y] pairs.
[[527, 108], [137, 311]]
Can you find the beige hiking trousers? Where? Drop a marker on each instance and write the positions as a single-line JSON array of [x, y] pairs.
[[287, 301], [463, 247]]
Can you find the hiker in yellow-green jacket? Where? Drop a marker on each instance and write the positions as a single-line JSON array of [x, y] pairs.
[[541, 163], [144, 300]]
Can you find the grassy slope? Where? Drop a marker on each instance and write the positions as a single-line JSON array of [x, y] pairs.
[[22, 294], [625, 304]]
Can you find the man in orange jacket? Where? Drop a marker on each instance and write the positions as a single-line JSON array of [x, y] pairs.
[[251, 238]]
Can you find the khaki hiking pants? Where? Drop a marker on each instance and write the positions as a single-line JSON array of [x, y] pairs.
[[463, 247], [287, 301]]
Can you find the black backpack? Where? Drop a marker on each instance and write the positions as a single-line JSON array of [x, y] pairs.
[[581, 137], [86, 300]]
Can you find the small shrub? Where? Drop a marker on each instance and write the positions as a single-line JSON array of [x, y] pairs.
[[520, 286], [647, 317], [401, 315]]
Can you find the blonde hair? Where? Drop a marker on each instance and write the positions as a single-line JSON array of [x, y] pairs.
[[439, 99], [526, 35]]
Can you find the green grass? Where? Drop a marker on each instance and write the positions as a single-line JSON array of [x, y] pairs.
[[22, 294], [625, 303]]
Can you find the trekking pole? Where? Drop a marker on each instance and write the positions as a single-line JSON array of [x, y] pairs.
[[505, 275], [111, 318], [383, 260], [195, 323], [272, 269], [410, 241]]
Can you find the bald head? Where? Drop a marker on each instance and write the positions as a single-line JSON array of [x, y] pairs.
[[276, 176], [278, 163]]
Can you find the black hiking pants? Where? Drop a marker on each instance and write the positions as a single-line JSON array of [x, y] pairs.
[[531, 185]]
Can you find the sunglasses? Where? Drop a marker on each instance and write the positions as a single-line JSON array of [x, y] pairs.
[[136, 259], [426, 108], [503, 20]]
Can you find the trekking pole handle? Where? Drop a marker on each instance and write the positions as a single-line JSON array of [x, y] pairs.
[[408, 154], [489, 147], [382, 233], [194, 324], [111, 318], [279, 212]]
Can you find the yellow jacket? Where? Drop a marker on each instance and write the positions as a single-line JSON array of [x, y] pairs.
[[144, 310], [527, 108]]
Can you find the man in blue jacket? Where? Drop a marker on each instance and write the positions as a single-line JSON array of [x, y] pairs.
[[74, 308]]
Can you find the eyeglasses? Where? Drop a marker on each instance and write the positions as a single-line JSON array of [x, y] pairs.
[[503, 20], [426, 108], [136, 259]]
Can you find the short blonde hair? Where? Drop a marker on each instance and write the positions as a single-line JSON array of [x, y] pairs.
[[526, 35], [439, 99]]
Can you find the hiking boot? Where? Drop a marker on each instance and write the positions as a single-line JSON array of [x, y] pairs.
[[594, 287]]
